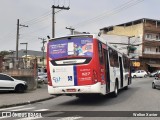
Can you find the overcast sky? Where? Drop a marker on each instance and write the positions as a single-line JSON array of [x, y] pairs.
[[84, 16]]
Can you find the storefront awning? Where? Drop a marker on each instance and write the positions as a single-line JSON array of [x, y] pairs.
[[154, 65]]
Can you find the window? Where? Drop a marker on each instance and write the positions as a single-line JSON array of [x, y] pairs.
[[41, 59], [148, 36], [100, 53], [113, 57], [5, 77], [147, 49], [126, 63]]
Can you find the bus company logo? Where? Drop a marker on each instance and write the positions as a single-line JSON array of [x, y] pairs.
[[70, 78], [56, 79]]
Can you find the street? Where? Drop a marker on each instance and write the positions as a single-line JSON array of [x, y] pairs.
[[139, 97]]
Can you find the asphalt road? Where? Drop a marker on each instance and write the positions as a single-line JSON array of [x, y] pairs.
[[139, 97]]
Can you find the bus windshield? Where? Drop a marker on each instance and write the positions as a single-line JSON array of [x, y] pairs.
[[71, 47]]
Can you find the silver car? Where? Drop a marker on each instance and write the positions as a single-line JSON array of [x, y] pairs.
[[156, 83], [139, 73], [42, 77]]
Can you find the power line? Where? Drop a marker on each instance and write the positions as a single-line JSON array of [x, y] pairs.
[[109, 13], [38, 19]]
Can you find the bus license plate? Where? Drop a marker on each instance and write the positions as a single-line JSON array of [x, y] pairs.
[[71, 90]]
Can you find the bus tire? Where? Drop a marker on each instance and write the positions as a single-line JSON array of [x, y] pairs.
[[115, 93]]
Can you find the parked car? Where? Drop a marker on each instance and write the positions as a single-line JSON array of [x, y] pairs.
[[139, 73], [8, 83], [42, 77], [156, 82], [154, 74]]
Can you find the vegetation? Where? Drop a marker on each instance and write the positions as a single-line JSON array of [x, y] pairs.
[[3, 53]]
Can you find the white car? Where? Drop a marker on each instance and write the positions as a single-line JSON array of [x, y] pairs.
[[139, 73], [156, 82], [42, 77], [8, 83], [155, 73]]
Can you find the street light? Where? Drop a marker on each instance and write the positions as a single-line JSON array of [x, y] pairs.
[[26, 53]]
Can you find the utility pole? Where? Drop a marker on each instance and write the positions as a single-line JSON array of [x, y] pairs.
[[26, 53], [17, 37], [43, 48], [53, 17], [71, 30]]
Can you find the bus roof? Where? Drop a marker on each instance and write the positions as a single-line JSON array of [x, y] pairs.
[[94, 36]]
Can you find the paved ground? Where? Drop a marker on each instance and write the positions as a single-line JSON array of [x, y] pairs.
[[8, 99]]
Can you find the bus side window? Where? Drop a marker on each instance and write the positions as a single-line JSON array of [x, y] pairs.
[[126, 63], [100, 52], [113, 57]]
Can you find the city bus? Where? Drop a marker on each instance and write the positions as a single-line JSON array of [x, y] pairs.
[[85, 64]]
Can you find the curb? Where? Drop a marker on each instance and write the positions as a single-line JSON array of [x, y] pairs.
[[28, 102]]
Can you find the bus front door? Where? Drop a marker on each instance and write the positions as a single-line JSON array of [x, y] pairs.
[[121, 71], [107, 72]]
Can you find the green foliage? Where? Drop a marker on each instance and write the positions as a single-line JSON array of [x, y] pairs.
[[132, 48], [3, 53]]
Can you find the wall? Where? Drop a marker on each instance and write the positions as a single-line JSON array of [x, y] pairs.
[[128, 30], [28, 75], [133, 30]]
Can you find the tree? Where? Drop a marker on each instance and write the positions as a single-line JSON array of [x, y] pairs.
[[3, 53]]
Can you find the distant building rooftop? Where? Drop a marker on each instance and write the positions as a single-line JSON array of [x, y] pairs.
[[142, 20], [31, 52], [22, 53]]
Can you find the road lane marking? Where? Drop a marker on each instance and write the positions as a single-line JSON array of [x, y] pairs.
[[69, 118], [11, 108], [29, 118], [42, 110], [23, 109]]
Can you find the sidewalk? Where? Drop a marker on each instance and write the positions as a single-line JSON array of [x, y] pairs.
[[8, 99]]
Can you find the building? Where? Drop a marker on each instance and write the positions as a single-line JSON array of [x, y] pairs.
[[25, 61], [143, 41]]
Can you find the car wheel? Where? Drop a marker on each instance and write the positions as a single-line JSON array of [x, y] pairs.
[[20, 88], [134, 76], [145, 76], [153, 86]]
